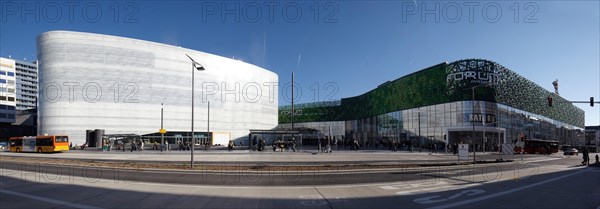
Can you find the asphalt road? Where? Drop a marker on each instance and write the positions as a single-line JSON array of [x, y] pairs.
[[553, 183]]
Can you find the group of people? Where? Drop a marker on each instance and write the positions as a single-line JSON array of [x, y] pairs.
[[258, 145], [586, 158], [283, 145], [71, 147]]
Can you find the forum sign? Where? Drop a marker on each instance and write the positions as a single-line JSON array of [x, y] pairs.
[[463, 74]]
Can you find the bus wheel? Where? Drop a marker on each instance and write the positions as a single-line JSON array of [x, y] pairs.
[[18, 150], [40, 150]]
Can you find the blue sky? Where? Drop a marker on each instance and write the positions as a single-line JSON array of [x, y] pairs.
[[355, 44]]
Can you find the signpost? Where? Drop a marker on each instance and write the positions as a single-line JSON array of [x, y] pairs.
[[463, 152]]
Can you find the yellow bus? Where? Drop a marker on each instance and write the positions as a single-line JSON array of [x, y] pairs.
[[39, 144]]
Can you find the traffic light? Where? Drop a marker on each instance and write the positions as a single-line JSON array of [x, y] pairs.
[[592, 101], [549, 101]]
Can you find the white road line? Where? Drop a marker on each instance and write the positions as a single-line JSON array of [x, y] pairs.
[[424, 190], [44, 199], [542, 160], [464, 202]]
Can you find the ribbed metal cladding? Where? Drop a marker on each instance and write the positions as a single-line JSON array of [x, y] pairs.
[[94, 81]]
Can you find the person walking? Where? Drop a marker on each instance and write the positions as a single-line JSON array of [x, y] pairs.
[[597, 162], [585, 157], [294, 144]]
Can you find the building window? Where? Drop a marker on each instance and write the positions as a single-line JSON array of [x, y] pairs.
[[2, 81], [11, 99], [11, 74], [2, 98], [2, 72], [11, 90]]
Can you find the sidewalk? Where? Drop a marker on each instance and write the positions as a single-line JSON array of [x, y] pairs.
[[246, 156]]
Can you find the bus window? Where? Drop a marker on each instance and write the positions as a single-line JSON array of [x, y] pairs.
[[44, 142], [16, 143], [62, 139]]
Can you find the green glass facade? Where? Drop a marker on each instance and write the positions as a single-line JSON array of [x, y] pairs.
[[441, 96]]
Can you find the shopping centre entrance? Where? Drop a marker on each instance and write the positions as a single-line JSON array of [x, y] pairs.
[[493, 137]]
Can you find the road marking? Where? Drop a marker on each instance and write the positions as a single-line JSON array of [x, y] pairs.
[[464, 202], [542, 160], [44, 199], [312, 200], [423, 190], [431, 199], [408, 185]]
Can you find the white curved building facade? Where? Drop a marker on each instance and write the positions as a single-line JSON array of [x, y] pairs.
[[94, 81]]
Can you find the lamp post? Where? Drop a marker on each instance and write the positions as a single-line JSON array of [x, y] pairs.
[[473, 119], [162, 135], [199, 67], [419, 120]]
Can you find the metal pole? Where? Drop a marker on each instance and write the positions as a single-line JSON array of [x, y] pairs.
[[208, 124], [473, 121], [329, 140], [419, 120], [162, 135], [192, 152], [483, 118], [293, 112]]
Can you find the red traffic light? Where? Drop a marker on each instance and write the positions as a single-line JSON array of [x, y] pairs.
[[549, 101]]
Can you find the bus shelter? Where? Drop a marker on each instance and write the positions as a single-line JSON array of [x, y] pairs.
[[118, 140], [270, 136]]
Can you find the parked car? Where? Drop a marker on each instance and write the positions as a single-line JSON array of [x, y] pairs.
[[3, 146], [571, 151]]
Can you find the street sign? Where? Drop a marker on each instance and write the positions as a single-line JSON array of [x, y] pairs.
[[162, 131], [463, 151]]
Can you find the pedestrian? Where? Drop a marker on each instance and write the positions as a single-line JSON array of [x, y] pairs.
[[455, 148], [585, 157], [230, 145], [597, 162], [141, 145], [294, 144], [132, 146]]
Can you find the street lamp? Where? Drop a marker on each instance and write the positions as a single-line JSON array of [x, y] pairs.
[[162, 135], [473, 118], [419, 121], [195, 66]]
